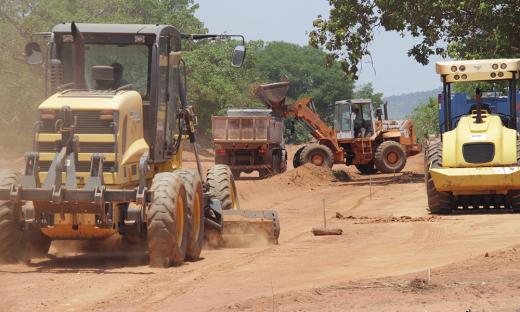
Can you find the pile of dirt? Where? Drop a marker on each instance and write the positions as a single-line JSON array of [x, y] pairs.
[[387, 219]]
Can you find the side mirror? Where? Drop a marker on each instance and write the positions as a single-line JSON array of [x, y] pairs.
[[238, 56], [33, 53]]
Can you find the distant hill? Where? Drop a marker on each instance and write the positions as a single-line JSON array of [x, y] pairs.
[[401, 105]]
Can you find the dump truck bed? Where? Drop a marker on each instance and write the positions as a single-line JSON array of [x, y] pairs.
[[258, 129]]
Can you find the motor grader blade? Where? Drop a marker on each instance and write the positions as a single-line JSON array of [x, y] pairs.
[[244, 227]]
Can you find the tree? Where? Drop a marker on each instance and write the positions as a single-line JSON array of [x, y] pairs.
[[307, 72], [425, 119], [471, 29], [366, 91], [214, 86]]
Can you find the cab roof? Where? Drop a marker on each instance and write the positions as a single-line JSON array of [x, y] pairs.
[[142, 29]]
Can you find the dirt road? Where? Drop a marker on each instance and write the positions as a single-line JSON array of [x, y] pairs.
[[380, 263]]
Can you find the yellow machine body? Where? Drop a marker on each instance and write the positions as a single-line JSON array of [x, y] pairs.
[[462, 177]]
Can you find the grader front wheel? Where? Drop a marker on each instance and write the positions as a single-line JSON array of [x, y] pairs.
[[167, 221], [195, 199], [222, 185], [12, 239]]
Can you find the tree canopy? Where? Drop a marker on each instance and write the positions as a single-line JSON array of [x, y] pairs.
[[307, 72], [470, 29]]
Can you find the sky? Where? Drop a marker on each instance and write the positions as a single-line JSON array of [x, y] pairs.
[[288, 20]]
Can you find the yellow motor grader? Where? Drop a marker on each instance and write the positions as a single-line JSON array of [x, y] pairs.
[[107, 150]]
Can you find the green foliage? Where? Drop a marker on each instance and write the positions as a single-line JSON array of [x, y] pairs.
[[307, 72], [214, 86], [301, 135], [473, 29], [366, 91], [426, 119]]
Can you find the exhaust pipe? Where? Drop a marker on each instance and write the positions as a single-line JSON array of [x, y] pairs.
[[79, 47]]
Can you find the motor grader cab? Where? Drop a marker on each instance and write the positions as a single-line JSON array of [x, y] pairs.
[[107, 152], [378, 145], [476, 166]]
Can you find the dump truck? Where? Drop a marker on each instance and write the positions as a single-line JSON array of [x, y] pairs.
[[375, 145], [250, 139], [107, 151], [476, 165]]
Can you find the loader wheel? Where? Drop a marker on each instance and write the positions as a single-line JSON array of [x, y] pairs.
[[390, 155], [438, 202], [515, 194], [222, 185], [367, 169], [167, 221], [13, 240], [195, 198], [317, 154], [296, 158]]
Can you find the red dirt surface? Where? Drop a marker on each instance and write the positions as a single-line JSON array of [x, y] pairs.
[[393, 256]]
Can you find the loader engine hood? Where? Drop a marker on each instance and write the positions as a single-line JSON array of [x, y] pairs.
[[474, 144]]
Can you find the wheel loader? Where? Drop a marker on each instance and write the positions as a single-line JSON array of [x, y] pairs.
[[377, 145], [107, 151], [476, 164]]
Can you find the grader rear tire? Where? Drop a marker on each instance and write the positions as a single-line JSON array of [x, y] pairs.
[[13, 240], [222, 185], [390, 156], [317, 154], [167, 221], [296, 158], [438, 202], [195, 198]]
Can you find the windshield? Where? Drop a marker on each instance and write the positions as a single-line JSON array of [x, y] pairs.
[[130, 62]]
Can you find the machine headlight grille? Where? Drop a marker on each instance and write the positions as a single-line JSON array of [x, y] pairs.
[[89, 122], [478, 153]]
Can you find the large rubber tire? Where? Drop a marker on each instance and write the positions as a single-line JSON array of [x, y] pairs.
[[195, 198], [167, 221], [296, 158], [390, 155], [222, 185], [13, 240], [317, 154], [515, 194], [367, 169], [275, 165], [236, 173], [438, 202]]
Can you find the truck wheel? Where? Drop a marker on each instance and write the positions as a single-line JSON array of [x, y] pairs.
[[13, 240], [236, 173], [195, 199], [390, 155], [275, 166], [222, 185], [296, 158], [367, 169], [264, 173], [438, 202], [317, 154], [167, 221]]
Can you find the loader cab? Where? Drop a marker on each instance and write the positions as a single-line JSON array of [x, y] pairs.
[[344, 119]]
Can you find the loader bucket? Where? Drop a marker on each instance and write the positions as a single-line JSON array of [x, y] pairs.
[[244, 228], [273, 93]]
